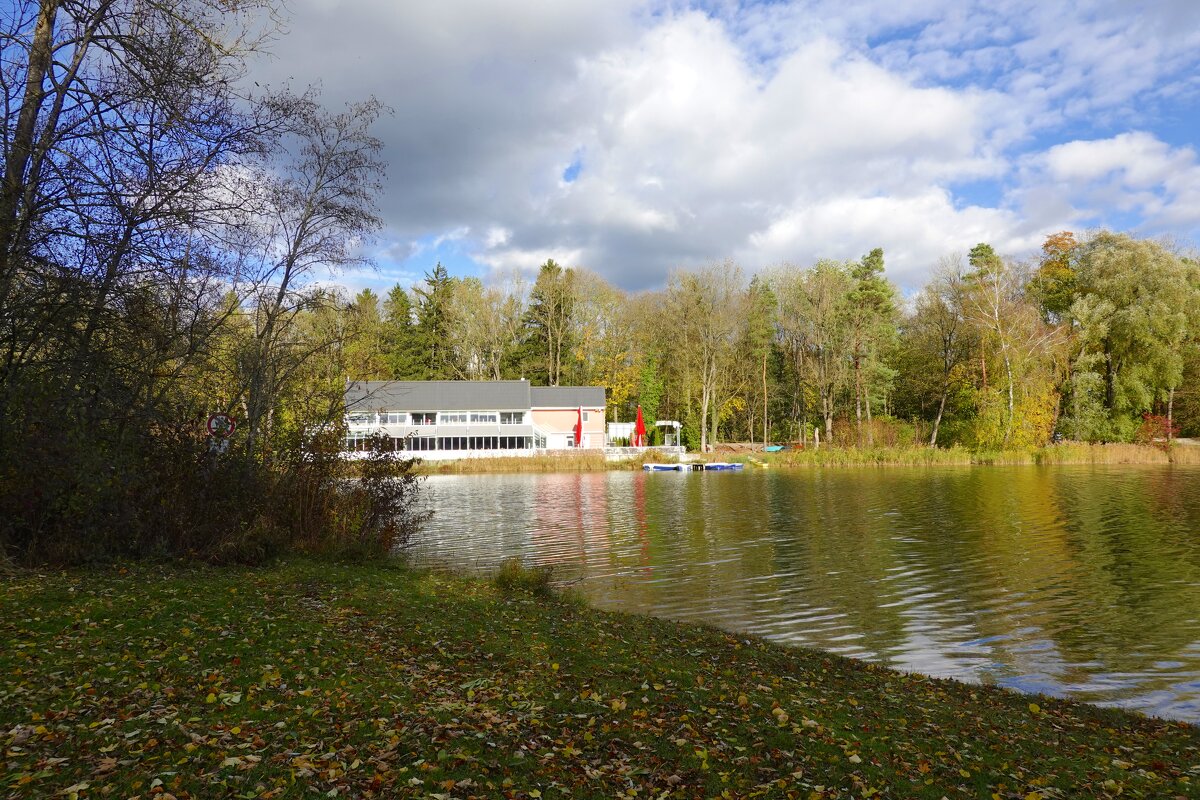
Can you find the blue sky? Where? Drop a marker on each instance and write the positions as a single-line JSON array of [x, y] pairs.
[[633, 138]]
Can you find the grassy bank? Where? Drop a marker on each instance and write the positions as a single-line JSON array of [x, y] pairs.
[[318, 680], [1067, 453]]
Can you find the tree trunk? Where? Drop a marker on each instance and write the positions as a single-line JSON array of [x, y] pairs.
[[20, 147], [1171, 415], [857, 402], [712, 439], [827, 410], [937, 422], [870, 427], [1011, 403], [766, 440]]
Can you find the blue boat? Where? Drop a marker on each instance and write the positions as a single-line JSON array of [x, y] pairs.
[[664, 467], [722, 466]]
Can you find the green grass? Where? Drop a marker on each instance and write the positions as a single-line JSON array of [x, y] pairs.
[[312, 680]]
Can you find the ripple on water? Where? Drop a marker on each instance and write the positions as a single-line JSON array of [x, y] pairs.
[[1081, 582]]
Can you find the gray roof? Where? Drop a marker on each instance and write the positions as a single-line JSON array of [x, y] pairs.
[[567, 396], [438, 395]]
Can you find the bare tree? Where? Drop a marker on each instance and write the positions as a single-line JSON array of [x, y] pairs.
[[318, 212]]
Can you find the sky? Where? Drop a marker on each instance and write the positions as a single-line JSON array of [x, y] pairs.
[[634, 138]]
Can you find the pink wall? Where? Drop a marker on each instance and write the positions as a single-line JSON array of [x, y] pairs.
[[563, 421]]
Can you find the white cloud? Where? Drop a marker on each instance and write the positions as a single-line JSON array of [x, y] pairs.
[[764, 132], [516, 260], [919, 228], [1131, 173]]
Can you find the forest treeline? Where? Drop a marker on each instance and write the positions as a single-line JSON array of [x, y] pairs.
[[1095, 340]]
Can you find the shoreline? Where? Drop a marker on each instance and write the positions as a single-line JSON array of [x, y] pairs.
[[381, 680], [1065, 454]]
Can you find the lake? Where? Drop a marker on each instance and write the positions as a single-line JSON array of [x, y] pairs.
[[1074, 581]]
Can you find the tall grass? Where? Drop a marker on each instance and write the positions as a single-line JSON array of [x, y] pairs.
[[1065, 453], [1115, 453], [568, 461], [873, 456]]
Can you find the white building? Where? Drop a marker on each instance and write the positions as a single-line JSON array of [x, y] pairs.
[[464, 419]]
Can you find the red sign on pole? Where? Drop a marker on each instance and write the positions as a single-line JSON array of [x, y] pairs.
[[221, 426]]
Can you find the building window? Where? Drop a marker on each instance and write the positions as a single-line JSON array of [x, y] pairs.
[[360, 419], [587, 416], [392, 418], [450, 419], [483, 417], [512, 417], [424, 418]]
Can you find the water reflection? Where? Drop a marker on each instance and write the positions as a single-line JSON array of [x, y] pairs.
[[1076, 581]]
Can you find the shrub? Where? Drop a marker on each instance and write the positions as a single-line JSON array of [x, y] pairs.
[[1155, 430], [375, 514], [69, 496], [514, 576]]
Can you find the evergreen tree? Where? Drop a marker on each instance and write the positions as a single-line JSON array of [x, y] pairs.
[[399, 341], [872, 312], [432, 337]]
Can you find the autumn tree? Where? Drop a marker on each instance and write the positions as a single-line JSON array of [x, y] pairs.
[[483, 327], [705, 313], [548, 321], [603, 340], [813, 324], [937, 343], [758, 339], [364, 334], [1054, 284]]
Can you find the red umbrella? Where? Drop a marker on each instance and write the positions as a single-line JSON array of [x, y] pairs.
[[639, 430], [579, 429]]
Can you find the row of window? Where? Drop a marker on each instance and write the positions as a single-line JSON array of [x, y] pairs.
[[424, 443], [433, 418]]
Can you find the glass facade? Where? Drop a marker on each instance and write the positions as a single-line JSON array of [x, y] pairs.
[[419, 444]]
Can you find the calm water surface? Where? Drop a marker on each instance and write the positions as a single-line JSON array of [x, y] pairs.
[[1082, 582]]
